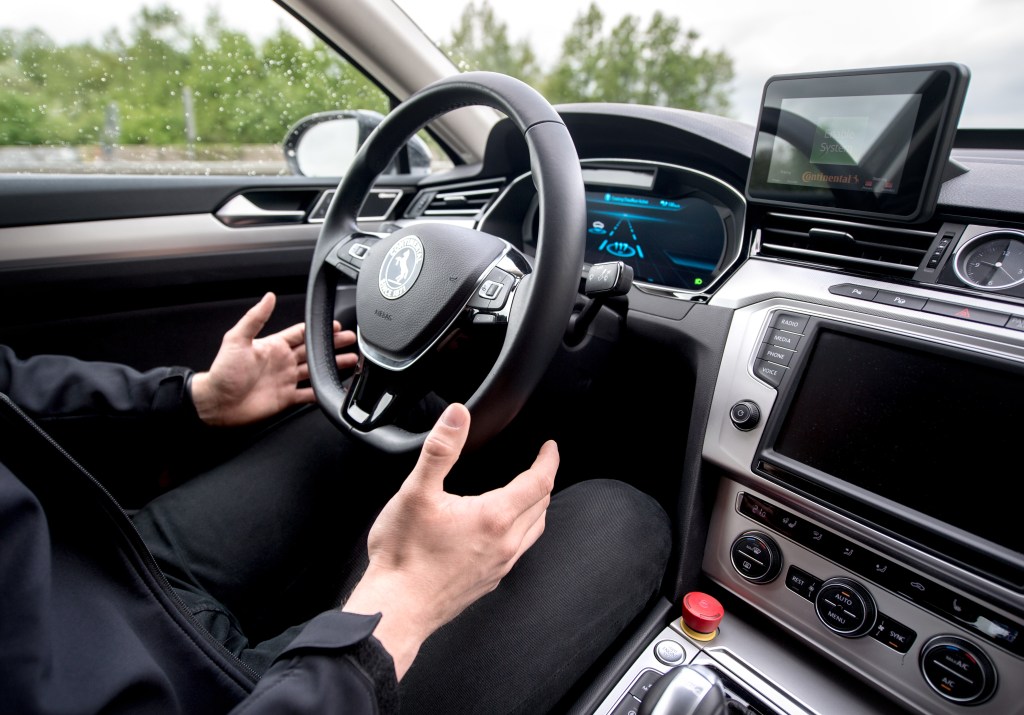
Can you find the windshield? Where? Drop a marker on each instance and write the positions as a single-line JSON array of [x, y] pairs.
[[216, 86], [716, 56]]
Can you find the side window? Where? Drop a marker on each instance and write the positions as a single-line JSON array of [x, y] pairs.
[[163, 91]]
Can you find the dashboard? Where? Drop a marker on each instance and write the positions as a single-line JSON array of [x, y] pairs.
[[850, 412]]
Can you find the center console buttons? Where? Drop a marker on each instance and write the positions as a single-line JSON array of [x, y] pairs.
[[958, 670], [845, 607], [756, 557]]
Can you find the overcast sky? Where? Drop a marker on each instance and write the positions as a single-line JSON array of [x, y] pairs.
[[764, 37]]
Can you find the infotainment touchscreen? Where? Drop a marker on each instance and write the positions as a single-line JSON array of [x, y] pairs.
[[865, 142], [897, 425]]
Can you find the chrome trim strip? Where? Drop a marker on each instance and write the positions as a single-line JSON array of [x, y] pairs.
[[152, 237], [839, 222], [834, 257]]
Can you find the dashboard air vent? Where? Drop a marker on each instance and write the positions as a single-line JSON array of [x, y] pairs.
[[865, 248], [457, 200]]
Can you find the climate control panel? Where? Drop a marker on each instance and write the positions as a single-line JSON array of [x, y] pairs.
[[934, 648]]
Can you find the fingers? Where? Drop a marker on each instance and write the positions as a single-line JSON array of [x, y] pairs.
[[535, 484], [341, 340], [303, 395], [442, 447], [255, 318], [343, 361], [344, 338], [519, 509], [294, 335]]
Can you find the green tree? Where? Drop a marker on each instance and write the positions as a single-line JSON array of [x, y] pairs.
[[657, 64], [243, 92], [481, 41]]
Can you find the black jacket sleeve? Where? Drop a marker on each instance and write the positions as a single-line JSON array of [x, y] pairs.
[[49, 387], [334, 666]]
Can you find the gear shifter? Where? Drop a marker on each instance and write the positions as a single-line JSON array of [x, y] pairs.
[[685, 690]]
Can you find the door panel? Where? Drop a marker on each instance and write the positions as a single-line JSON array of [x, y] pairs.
[[159, 289]]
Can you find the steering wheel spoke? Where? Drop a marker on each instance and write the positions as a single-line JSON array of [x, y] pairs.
[[377, 394]]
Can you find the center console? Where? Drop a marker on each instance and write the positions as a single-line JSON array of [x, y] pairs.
[[864, 535], [865, 428]]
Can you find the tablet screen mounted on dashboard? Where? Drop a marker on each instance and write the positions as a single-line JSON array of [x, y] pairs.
[[866, 143]]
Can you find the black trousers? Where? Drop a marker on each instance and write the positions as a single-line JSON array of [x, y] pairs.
[[263, 542]]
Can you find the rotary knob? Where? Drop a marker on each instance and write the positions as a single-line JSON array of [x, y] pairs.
[[745, 415], [756, 557], [958, 670], [845, 607]]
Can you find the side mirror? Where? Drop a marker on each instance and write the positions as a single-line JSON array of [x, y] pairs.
[[324, 144]]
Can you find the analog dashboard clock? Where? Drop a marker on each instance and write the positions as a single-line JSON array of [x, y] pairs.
[[992, 261]]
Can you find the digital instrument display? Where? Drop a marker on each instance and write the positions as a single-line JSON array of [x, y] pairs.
[[866, 142], [673, 242]]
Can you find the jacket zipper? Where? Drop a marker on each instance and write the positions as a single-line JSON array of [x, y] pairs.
[[140, 548]]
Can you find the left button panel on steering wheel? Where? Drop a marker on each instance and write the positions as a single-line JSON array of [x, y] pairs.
[[349, 255]]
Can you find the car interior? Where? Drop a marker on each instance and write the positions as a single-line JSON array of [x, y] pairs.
[[804, 338]]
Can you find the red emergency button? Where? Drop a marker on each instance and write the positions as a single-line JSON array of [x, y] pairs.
[[701, 615]]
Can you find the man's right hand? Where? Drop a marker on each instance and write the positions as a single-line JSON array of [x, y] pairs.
[[433, 553]]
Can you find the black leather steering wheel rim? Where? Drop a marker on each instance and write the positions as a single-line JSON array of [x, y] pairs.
[[543, 301]]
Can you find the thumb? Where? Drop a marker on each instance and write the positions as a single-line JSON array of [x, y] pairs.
[[442, 447], [255, 318]]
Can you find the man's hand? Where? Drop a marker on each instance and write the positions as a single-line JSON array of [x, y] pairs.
[[432, 553], [254, 378]]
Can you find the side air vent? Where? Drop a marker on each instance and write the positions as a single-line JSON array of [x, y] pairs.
[[860, 247], [458, 200]]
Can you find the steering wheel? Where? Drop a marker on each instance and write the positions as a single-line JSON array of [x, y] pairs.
[[419, 286]]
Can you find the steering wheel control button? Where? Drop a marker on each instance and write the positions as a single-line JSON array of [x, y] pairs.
[[701, 615], [358, 251], [802, 583], [493, 291], [756, 557], [893, 634], [745, 415], [958, 670], [348, 256], [845, 607], [490, 290], [668, 652]]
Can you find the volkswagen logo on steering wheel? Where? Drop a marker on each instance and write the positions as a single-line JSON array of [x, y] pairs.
[[401, 267]]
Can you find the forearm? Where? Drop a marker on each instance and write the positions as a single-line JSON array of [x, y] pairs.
[[402, 627], [333, 666], [54, 386]]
